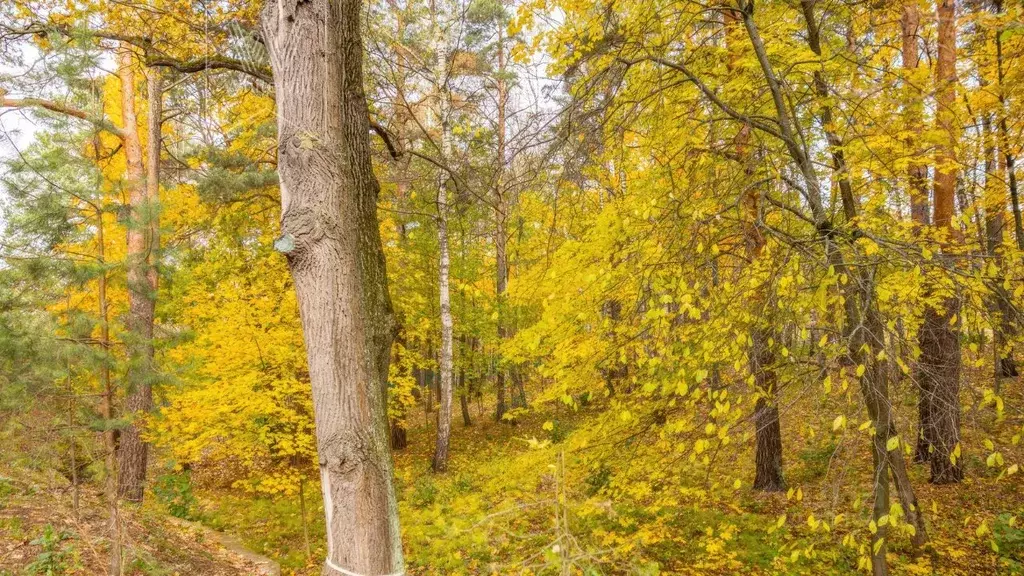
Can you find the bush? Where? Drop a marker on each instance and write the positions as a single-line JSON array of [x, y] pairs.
[[174, 490], [52, 561]]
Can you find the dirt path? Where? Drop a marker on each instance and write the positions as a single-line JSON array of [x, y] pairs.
[[264, 566]]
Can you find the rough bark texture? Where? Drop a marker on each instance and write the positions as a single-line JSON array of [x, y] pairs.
[[330, 235], [940, 363], [768, 455], [142, 282]]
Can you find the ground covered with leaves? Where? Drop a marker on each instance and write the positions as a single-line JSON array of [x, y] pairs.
[[41, 533], [563, 492]]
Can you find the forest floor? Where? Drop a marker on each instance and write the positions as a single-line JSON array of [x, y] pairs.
[[41, 533], [495, 511], [528, 499]]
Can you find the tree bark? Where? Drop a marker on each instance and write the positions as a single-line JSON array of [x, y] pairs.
[[1000, 306], [1004, 136], [330, 235], [501, 209], [143, 185], [444, 359], [444, 413], [940, 363], [463, 385]]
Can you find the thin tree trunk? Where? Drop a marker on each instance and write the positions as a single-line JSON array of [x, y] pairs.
[[768, 474], [463, 386], [501, 209], [1004, 136], [917, 173], [858, 297], [143, 191], [862, 311], [444, 413], [994, 202], [330, 235], [305, 523], [75, 492], [444, 360], [399, 435], [110, 482], [919, 208]]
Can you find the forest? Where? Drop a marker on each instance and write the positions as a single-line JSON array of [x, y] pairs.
[[511, 287]]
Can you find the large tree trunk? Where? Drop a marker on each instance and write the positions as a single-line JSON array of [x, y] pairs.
[[142, 274], [330, 235], [940, 363]]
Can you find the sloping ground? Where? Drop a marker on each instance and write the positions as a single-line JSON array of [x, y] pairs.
[[40, 533], [646, 511]]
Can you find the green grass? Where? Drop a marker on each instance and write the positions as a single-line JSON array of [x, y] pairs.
[[271, 526]]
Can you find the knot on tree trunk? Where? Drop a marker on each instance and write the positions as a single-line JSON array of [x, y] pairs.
[[302, 228], [345, 452]]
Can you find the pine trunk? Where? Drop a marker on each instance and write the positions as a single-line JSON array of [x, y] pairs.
[[143, 184], [940, 363]]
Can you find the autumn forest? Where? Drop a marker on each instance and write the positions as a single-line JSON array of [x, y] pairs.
[[511, 287]]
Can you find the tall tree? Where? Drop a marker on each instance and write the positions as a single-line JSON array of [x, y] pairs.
[[330, 236], [143, 189], [940, 364], [768, 471]]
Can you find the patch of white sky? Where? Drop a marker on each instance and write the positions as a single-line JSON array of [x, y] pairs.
[[26, 72]]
